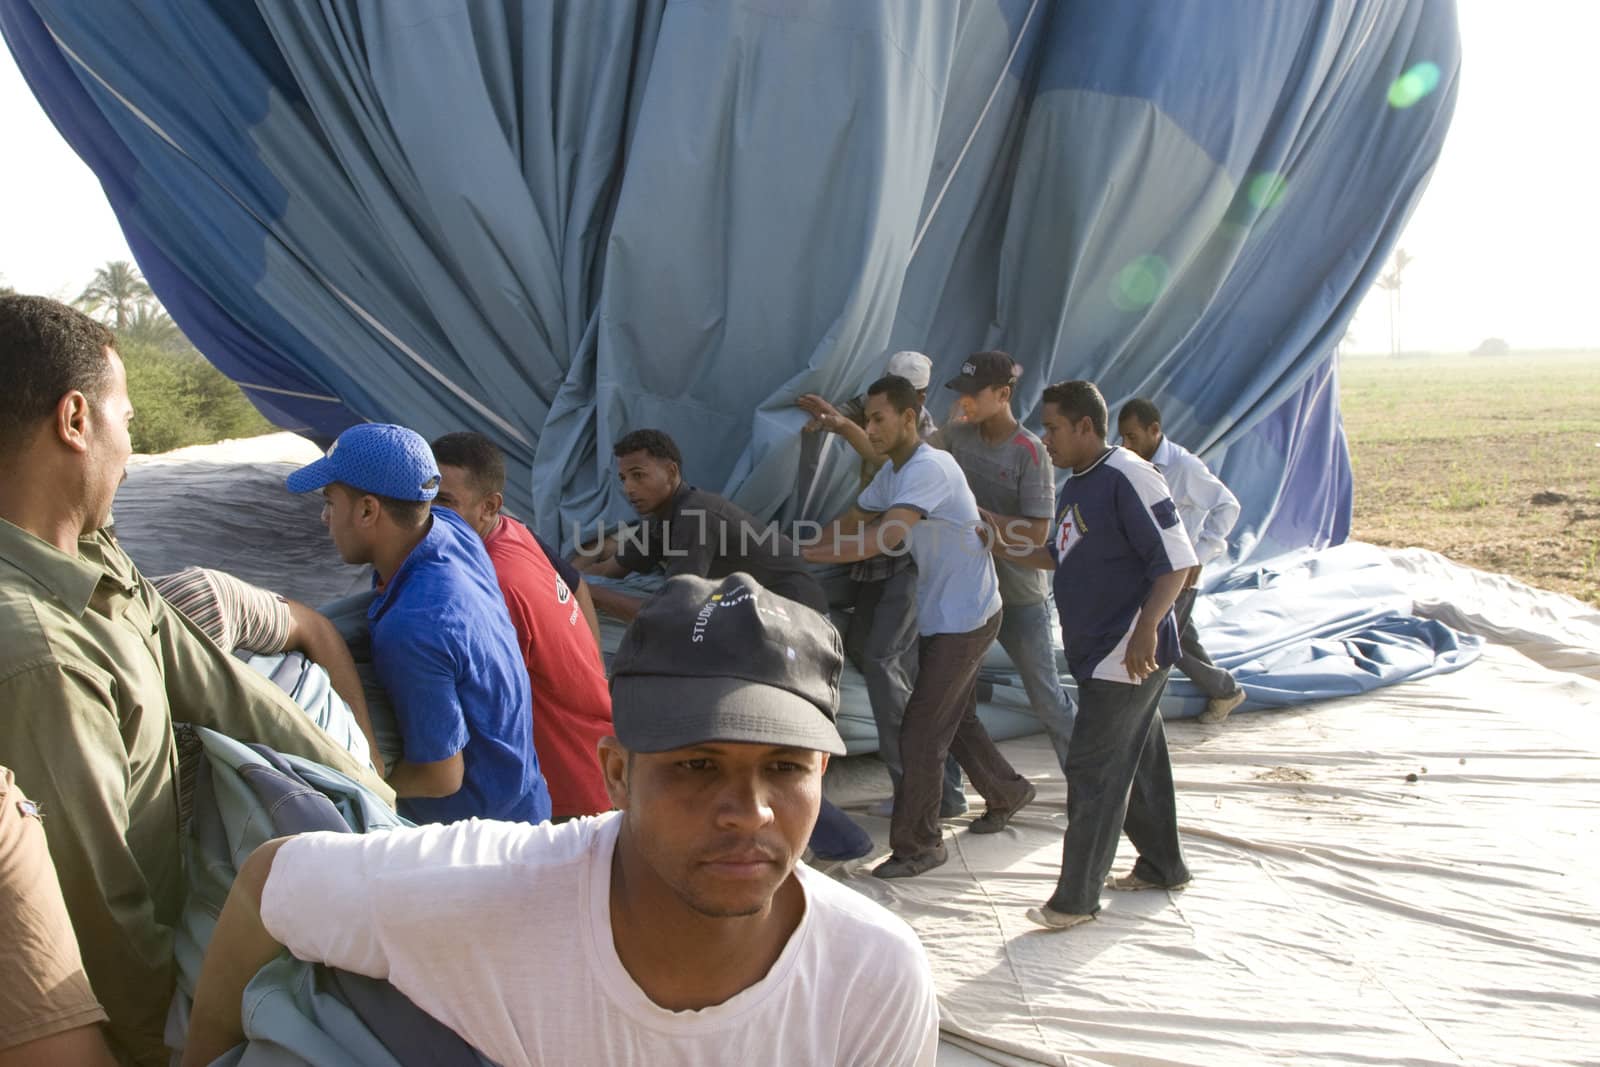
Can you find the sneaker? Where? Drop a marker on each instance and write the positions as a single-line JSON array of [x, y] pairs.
[[1131, 882], [1051, 919], [911, 866], [994, 819], [1217, 708]]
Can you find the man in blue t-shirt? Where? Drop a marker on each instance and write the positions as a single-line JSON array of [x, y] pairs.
[[1120, 556], [919, 500], [443, 645]]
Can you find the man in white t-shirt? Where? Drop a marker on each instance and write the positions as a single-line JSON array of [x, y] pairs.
[[920, 501], [681, 929]]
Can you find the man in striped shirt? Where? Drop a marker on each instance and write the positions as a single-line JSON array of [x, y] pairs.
[[238, 616]]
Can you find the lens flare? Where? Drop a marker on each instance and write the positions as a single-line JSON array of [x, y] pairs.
[[1137, 285], [1265, 189], [1414, 85]]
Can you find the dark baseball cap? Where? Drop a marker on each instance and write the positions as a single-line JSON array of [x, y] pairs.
[[984, 369], [726, 660], [374, 457]]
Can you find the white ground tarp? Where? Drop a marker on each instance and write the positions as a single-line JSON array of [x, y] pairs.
[[1341, 912]]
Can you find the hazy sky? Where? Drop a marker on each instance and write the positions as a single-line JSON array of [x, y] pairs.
[[1504, 239]]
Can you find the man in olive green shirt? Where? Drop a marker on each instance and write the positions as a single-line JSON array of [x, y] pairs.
[[95, 667]]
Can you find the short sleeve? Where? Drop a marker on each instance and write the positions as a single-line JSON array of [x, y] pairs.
[[417, 668], [875, 497], [376, 891], [259, 618], [335, 870], [1149, 519], [43, 987], [569, 574], [1036, 489], [923, 487]]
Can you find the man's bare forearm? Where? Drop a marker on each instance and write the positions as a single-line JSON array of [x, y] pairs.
[[320, 640], [616, 604], [240, 946], [586, 605], [440, 778], [1163, 594], [844, 543]]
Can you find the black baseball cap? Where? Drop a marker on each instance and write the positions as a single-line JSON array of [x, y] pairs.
[[984, 369], [726, 660]]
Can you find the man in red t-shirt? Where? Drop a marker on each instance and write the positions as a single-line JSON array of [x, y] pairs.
[[571, 700]]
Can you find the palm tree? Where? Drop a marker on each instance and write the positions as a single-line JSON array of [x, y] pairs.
[[117, 288], [150, 325], [1391, 282]]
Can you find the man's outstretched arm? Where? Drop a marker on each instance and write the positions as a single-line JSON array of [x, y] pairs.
[[852, 537], [1004, 544]]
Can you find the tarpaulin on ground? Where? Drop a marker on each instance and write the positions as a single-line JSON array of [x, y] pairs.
[[556, 222]]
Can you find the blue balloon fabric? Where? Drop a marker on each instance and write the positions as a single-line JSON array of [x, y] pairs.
[[558, 222]]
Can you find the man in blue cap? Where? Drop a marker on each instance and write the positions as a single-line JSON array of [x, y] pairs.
[[443, 646]]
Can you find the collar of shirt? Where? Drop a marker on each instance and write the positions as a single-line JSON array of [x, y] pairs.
[[675, 503], [1166, 454], [70, 579], [427, 549]]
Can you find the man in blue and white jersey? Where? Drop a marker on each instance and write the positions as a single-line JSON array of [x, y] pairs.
[[1121, 556]]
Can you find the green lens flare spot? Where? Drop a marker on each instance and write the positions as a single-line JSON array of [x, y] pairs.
[[1137, 285], [1264, 190], [1414, 85]]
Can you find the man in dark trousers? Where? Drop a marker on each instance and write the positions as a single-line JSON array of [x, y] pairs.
[[1013, 482], [882, 637], [920, 501], [1120, 556]]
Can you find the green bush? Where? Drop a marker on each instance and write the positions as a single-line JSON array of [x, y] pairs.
[[179, 399]]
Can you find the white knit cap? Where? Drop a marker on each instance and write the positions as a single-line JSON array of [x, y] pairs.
[[914, 367]]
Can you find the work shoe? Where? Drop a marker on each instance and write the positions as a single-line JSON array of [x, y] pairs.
[[1217, 708], [1131, 882], [911, 866], [1051, 919], [994, 819]]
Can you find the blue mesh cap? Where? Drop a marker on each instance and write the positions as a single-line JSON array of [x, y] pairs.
[[374, 457]]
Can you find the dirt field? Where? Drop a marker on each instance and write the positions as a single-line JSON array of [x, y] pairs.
[[1493, 461]]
